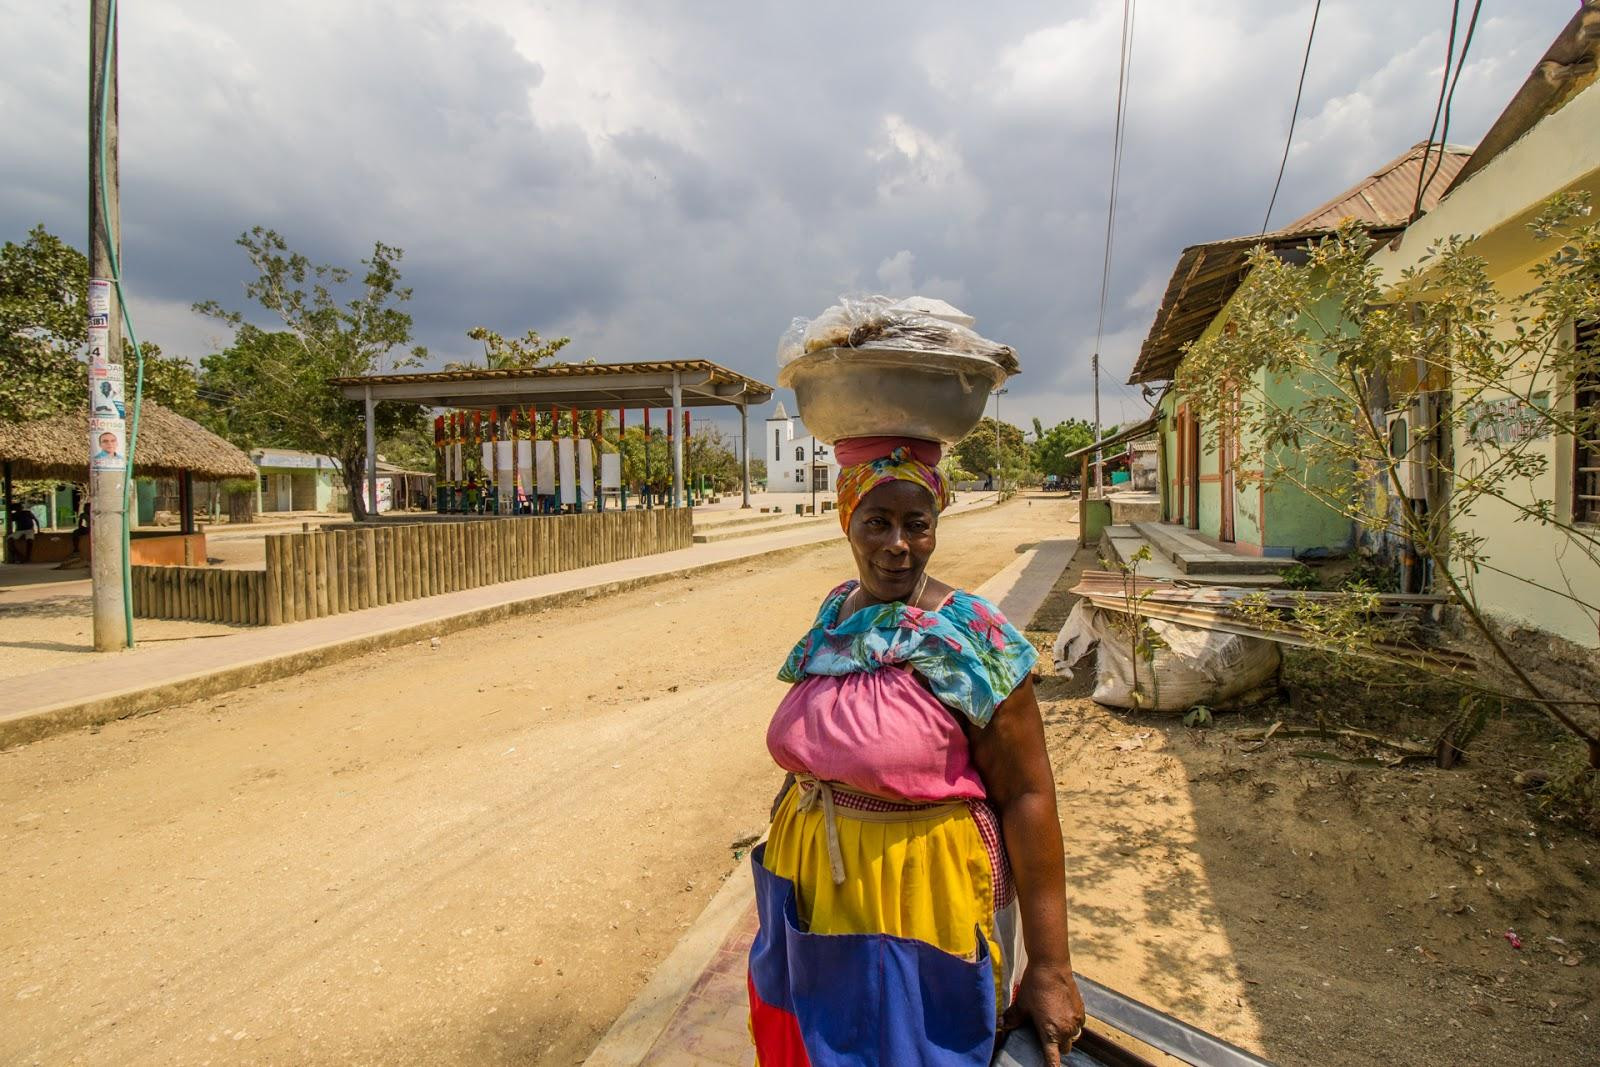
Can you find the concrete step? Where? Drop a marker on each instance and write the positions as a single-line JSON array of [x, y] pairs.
[[1196, 555], [1120, 543], [790, 522], [715, 524]]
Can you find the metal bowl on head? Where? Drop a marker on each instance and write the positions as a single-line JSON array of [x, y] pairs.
[[869, 392]]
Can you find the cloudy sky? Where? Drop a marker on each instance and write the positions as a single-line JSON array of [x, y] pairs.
[[672, 178]]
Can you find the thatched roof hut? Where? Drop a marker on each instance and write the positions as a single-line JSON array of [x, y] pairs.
[[57, 448]]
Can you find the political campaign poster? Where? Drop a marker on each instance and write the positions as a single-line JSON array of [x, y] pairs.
[[107, 444], [105, 391]]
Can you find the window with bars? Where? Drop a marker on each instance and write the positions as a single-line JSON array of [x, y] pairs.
[[1586, 450]]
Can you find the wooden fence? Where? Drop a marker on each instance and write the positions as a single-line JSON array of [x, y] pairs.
[[348, 568]]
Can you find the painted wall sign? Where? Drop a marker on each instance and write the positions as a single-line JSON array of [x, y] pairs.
[[1508, 420]]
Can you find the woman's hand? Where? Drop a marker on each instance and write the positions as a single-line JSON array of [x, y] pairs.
[[1048, 997]]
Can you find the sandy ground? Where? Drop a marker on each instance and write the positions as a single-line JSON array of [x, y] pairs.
[[46, 620], [477, 854], [1322, 912], [471, 854]]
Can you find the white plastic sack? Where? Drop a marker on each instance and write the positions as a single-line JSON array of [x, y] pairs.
[[1197, 666], [914, 325]]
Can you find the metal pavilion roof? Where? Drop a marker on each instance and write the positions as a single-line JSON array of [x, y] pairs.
[[584, 386], [1207, 275]]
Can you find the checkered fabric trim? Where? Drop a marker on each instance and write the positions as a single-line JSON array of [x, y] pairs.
[[989, 829], [849, 798]]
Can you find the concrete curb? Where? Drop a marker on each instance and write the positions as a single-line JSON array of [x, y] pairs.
[[640, 1024], [37, 723]]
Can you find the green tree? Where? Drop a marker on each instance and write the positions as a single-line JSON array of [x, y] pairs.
[[976, 451], [168, 380], [710, 454], [657, 473], [1050, 454], [43, 332], [515, 353], [1371, 349], [43, 329], [274, 386]]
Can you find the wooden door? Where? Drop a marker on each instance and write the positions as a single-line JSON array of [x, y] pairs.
[[1227, 454], [1191, 472]]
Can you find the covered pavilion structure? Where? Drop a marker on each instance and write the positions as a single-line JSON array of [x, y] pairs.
[[675, 384], [56, 449]]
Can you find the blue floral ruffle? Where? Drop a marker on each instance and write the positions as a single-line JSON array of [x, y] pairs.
[[971, 656]]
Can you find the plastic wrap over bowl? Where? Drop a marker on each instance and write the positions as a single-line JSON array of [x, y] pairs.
[[866, 392]]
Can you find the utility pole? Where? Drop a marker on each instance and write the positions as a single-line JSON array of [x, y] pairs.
[[107, 465], [999, 468], [1099, 468]]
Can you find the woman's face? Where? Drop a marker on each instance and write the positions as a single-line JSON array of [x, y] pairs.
[[892, 537]]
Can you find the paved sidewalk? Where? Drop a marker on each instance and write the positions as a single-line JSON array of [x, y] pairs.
[[692, 1012], [114, 685]]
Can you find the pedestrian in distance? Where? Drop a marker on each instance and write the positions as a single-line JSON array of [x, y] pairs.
[[911, 890], [24, 527]]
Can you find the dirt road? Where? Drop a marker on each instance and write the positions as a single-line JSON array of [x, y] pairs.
[[470, 854]]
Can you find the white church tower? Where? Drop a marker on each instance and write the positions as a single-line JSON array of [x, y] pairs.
[[780, 431], [794, 464]]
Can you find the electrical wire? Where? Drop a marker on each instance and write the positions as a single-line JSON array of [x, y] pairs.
[[1449, 98], [1438, 110], [1294, 115], [127, 319], [1124, 77]]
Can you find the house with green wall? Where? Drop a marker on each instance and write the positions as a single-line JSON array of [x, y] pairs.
[[1210, 477]]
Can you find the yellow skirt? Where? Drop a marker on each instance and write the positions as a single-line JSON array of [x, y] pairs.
[[930, 884]]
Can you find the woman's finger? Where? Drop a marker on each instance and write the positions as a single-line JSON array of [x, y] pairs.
[[1048, 1042]]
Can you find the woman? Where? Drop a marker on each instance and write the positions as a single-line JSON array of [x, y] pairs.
[[911, 889]]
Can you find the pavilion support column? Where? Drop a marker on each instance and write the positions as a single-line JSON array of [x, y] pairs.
[[8, 503], [677, 441], [744, 451], [372, 456], [186, 494]]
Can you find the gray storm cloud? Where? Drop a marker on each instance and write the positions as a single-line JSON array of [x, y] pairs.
[[681, 179]]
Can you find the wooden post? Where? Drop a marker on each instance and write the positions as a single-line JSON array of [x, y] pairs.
[[391, 564], [274, 584], [369, 567], [320, 543], [413, 563]]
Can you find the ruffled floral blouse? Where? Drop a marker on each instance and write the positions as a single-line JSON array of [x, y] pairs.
[[970, 655]]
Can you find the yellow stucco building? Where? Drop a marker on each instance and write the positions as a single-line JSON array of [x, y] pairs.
[[1547, 142]]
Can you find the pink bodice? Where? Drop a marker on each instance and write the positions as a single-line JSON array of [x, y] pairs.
[[876, 731]]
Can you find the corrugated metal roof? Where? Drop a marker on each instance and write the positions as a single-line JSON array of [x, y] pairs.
[[718, 373], [1207, 275], [1385, 197]]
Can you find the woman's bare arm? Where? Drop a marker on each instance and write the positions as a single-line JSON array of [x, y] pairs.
[[1010, 755]]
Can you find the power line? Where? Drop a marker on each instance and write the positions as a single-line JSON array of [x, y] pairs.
[[1449, 98], [1294, 116], [1124, 77], [1438, 110]]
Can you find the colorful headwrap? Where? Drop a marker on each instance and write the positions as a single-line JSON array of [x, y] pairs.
[[868, 462]]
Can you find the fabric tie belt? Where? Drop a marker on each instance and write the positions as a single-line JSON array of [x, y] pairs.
[[817, 794]]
